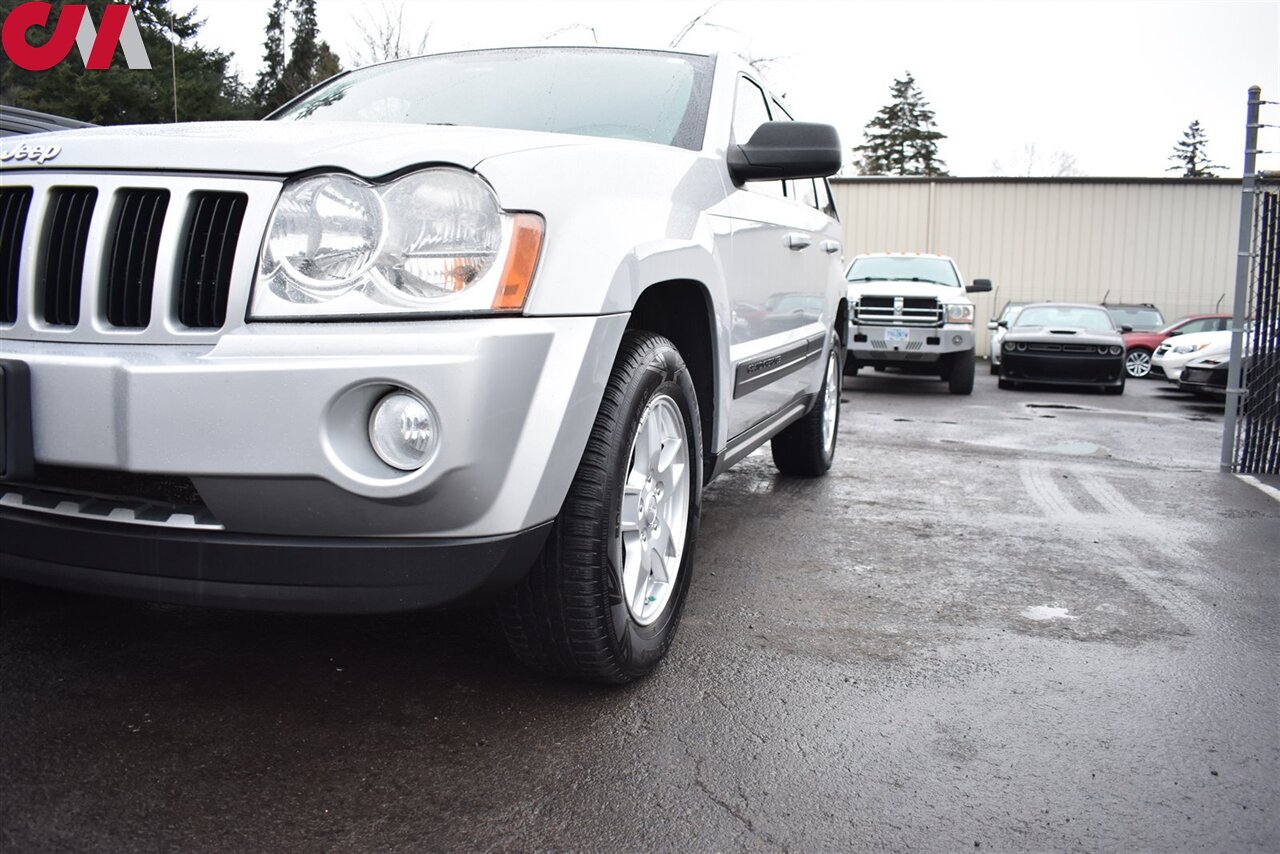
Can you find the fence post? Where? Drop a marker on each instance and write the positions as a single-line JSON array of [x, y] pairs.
[[1248, 186]]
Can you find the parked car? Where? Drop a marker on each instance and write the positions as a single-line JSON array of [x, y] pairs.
[[1206, 376], [1139, 317], [16, 121], [1140, 345], [1171, 356], [911, 312], [998, 326], [1063, 344], [451, 326]]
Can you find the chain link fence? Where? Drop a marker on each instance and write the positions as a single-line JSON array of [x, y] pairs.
[[1251, 429]]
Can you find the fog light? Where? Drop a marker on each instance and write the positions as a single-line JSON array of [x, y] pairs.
[[403, 431], [957, 340]]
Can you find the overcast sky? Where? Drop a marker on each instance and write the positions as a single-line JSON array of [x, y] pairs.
[[1111, 84]]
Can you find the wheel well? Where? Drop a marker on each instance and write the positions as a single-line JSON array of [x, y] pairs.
[[681, 311]]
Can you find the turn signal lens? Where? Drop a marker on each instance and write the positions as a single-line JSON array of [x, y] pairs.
[[522, 260]]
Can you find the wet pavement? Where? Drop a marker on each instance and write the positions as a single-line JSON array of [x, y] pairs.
[[1020, 621]]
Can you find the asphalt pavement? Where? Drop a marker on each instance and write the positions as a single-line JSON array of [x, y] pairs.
[[1029, 620]]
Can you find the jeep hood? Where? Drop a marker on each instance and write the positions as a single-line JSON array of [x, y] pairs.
[[281, 147]]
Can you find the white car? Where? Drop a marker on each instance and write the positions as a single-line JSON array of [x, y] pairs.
[[1173, 354], [999, 327], [473, 324]]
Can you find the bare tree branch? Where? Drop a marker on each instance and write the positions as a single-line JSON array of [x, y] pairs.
[[570, 28], [382, 37], [684, 31]]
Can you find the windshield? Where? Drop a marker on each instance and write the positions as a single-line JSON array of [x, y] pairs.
[[1141, 318], [904, 269], [638, 95], [1066, 316], [1011, 311]]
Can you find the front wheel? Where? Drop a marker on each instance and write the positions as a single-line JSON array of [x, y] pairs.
[[960, 376], [1137, 363], [807, 447], [603, 600]]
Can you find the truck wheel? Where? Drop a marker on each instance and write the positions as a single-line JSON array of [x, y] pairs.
[[604, 597], [960, 377], [851, 367], [807, 447]]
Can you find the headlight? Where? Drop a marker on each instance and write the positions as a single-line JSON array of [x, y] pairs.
[[1116, 349], [1189, 348], [1008, 346], [960, 313], [434, 241]]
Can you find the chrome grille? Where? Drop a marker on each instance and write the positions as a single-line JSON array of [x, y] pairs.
[[897, 311], [141, 258]]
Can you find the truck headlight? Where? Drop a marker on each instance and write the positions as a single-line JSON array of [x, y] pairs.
[[433, 241], [960, 313]]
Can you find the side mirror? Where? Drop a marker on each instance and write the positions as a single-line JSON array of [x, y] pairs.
[[1124, 327], [1174, 332], [782, 150], [979, 286], [1004, 324], [992, 325]]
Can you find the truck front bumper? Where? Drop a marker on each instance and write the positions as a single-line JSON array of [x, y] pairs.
[[907, 344]]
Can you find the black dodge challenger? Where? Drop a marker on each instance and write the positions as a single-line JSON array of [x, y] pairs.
[[1064, 344]]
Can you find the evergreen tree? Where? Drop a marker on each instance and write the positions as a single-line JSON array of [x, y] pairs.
[[1189, 156], [902, 139], [309, 62], [273, 59], [206, 87]]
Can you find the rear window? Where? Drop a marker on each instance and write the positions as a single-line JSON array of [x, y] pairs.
[[1141, 318]]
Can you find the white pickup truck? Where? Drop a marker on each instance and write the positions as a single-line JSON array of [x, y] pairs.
[[911, 312]]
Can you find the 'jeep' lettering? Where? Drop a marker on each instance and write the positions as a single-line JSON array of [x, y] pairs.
[[37, 154]]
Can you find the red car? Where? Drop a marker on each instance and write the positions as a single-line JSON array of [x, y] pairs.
[[1140, 345]]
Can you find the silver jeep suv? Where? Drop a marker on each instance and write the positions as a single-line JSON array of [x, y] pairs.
[[471, 324]]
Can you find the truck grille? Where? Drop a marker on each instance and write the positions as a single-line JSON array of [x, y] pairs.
[[897, 311], [156, 258]]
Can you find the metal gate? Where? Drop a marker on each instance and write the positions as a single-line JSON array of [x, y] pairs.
[[1257, 439]]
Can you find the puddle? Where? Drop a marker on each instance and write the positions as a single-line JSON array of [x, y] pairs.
[[1073, 449], [1046, 612]]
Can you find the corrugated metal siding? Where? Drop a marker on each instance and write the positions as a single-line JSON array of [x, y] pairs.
[[1167, 242]]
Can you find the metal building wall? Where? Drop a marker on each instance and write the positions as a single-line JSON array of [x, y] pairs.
[[1166, 241]]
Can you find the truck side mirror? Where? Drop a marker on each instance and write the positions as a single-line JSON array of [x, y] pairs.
[[979, 286], [1124, 327]]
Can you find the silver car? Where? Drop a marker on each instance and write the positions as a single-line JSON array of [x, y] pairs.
[[473, 324]]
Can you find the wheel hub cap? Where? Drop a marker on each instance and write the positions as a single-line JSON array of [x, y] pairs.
[[655, 510]]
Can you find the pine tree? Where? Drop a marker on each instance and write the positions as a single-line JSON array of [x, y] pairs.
[[206, 87], [273, 59], [1189, 156], [901, 139]]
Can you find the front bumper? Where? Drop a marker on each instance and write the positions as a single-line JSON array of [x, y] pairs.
[[900, 344], [1063, 369], [217, 569], [270, 422]]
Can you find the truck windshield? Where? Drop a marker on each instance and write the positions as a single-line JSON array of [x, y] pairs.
[[618, 94], [905, 268]]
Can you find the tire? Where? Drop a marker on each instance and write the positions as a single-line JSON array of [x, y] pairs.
[[1137, 363], [1006, 384], [807, 447], [960, 377], [850, 367], [572, 615], [995, 368], [1114, 389]]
